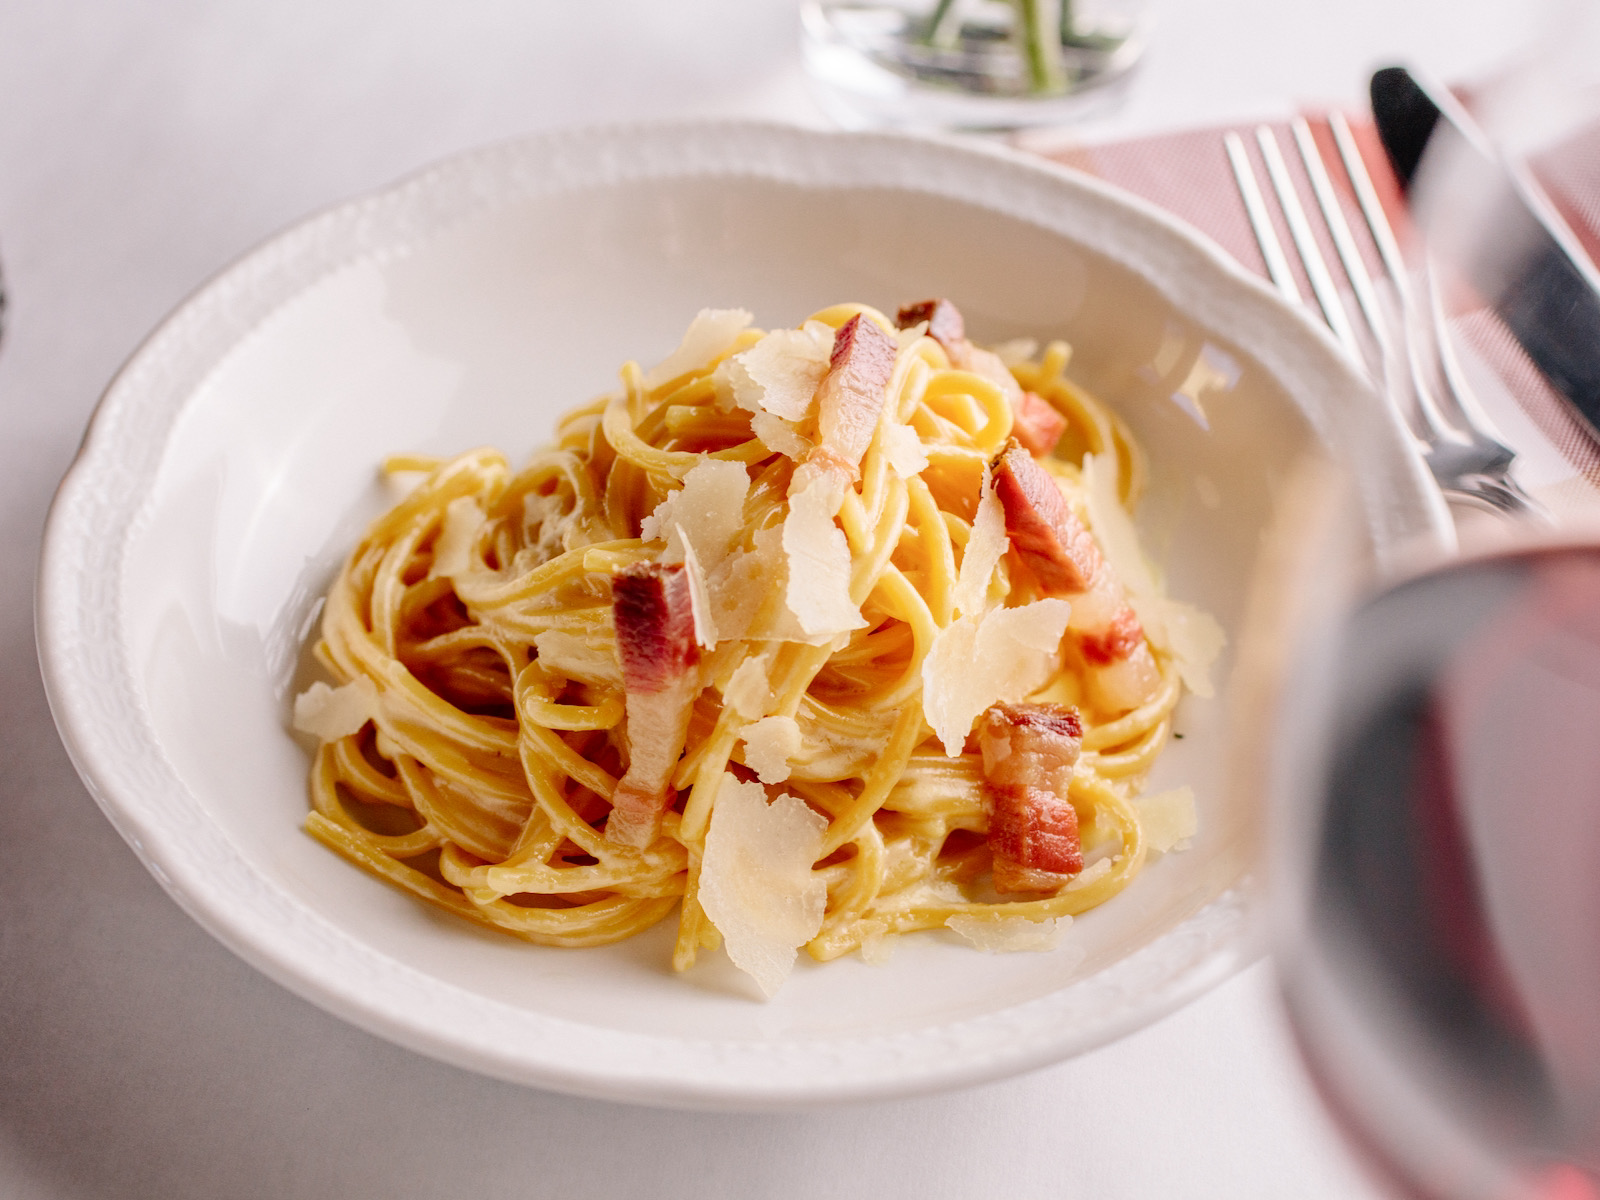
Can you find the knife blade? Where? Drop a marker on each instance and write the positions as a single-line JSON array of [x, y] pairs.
[[1490, 222]]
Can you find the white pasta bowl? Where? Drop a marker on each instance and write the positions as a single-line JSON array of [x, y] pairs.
[[234, 460]]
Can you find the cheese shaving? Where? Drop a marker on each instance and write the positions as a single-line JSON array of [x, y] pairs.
[[903, 448], [452, 552], [710, 334], [1094, 871], [573, 657], [756, 882], [1169, 819], [705, 625], [329, 713], [748, 692], [818, 588], [976, 662], [708, 510], [1193, 638], [984, 550], [770, 745], [782, 436], [548, 515], [876, 948], [1017, 351], [780, 373], [1008, 935], [910, 335]]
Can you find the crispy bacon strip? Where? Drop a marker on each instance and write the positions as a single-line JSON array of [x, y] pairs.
[[945, 322], [1115, 642], [1034, 421], [851, 394], [1028, 755], [1061, 552], [1044, 531], [654, 617]]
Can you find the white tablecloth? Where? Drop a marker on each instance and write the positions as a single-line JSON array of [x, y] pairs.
[[142, 147]]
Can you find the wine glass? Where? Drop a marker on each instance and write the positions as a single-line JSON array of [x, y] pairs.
[[1429, 757]]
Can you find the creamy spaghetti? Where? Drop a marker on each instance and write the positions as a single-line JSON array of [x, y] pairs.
[[817, 770]]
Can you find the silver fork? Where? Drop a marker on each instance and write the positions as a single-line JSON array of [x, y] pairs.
[[1410, 358]]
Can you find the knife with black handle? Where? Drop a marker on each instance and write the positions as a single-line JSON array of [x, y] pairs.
[[1486, 221]]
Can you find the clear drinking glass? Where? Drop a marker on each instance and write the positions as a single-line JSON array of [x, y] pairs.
[[968, 64]]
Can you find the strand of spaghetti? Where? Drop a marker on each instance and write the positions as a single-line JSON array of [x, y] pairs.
[[904, 735], [867, 566], [667, 465], [1136, 757], [933, 538], [597, 923], [325, 800], [359, 848], [475, 472], [485, 831], [540, 878], [350, 766], [987, 421], [695, 931], [536, 704], [849, 903], [1126, 728], [895, 596]]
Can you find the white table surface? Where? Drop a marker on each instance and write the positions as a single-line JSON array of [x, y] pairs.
[[142, 147]]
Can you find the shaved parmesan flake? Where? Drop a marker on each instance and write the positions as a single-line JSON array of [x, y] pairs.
[[976, 662], [1169, 819], [1017, 351], [329, 713], [548, 518], [911, 334], [818, 589], [1113, 527], [777, 434], [987, 365], [876, 948], [984, 550], [903, 448], [705, 625], [1010, 934], [1192, 637], [574, 657], [708, 511], [1094, 871], [748, 692], [780, 373], [710, 334], [1195, 639], [452, 552], [770, 745], [756, 881]]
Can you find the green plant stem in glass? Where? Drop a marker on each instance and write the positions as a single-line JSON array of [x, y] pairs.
[[1042, 28]]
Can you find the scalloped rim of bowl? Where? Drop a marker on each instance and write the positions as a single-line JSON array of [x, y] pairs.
[[97, 705]]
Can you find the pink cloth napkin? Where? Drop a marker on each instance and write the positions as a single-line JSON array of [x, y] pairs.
[[1188, 174]]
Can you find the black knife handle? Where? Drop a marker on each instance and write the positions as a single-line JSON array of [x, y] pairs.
[[1406, 117]]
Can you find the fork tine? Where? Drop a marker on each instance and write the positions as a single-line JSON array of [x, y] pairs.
[[1255, 208], [1399, 275], [1466, 399], [1355, 267], [1306, 242], [1367, 197]]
